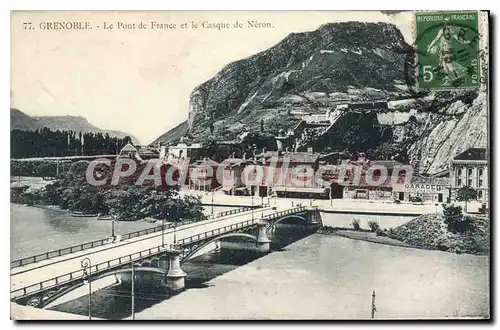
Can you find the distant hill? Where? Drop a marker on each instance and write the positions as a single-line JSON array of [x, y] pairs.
[[20, 120]]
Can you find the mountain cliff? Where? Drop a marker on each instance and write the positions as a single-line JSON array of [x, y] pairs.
[[308, 74], [20, 120]]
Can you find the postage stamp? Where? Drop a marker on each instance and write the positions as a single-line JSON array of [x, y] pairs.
[[447, 50]]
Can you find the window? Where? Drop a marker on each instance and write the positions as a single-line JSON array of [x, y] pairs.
[[479, 194], [480, 173], [469, 177], [459, 177]]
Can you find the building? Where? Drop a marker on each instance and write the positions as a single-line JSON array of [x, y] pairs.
[[287, 174], [357, 185], [148, 153], [139, 154], [425, 189], [129, 151], [183, 150], [470, 168], [203, 175], [232, 176]]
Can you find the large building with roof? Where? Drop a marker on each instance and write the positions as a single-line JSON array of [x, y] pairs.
[[470, 168], [287, 174]]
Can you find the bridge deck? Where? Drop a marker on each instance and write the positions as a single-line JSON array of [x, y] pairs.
[[51, 269]]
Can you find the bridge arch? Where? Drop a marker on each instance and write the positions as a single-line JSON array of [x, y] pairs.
[[296, 216], [218, 238], [54, 297]]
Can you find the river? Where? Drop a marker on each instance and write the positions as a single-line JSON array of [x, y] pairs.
[[320, 277], [326, 277]]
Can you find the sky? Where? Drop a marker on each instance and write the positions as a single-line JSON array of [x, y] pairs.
[[139, 81]]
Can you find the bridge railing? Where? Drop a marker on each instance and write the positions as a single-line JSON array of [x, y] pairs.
[[235, 211], [89, 245], [282, 213], [113, 263], [57, 253], [214, 232], [107, 265], [82, 273]]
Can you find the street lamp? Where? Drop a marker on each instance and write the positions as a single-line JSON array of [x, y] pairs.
[[212, 201], [163, 229], [86, 263], [175, 230], [251, 191], [113, 226], [262, 205], [133, 291]]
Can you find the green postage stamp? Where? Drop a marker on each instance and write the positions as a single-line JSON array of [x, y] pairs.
[[447, 50]]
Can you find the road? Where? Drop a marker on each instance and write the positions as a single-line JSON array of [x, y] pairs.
[[49, 269], [335, 205]]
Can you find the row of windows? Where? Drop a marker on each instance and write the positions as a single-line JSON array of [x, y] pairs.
[[469, 177]]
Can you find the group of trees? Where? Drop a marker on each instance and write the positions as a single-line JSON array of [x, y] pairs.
[[47, 143], [455, 221], [125, 201], [38, 168]]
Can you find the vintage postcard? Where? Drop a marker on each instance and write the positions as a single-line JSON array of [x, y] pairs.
[[250, 165]]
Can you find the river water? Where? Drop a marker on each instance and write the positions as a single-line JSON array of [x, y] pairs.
[[36, 230], [320, 277], [330, 277]]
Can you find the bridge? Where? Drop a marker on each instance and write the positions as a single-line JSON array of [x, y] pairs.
[[40, 280]]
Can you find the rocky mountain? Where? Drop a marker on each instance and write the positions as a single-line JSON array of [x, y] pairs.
[[20, 120], [296, 87]]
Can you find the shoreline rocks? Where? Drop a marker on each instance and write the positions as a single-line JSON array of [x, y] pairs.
[[427, 232]]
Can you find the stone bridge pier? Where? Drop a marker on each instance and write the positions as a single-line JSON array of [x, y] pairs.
[[175, 277], [263, 242]]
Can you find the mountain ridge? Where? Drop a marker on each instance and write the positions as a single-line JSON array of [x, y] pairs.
[[309, 74], [22, 121]]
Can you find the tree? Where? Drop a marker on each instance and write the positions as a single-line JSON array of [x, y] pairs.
[[374, 226], [466, 194], [454, 219], [262, 125]]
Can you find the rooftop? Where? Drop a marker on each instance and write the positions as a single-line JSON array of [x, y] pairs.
[[472, 154], [206, 162], [129, 147], [293, 157]]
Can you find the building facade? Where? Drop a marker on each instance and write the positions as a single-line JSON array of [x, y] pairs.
[[470, 168], [425, 189], [232, 176], [182, 150]]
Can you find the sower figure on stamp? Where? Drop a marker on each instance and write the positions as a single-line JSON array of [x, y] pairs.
[[442, 46]]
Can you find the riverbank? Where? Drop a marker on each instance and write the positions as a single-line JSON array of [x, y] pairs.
[[367, 236], [427, 232], [430, 231]]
